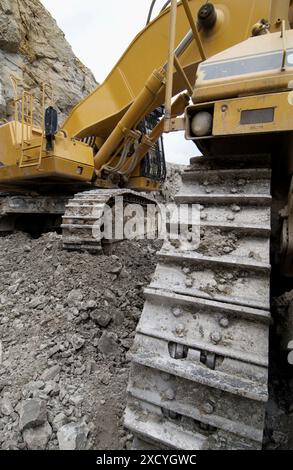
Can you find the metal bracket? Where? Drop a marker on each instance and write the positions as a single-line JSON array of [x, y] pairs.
[[176, 124], [194, 29], [173, 59]]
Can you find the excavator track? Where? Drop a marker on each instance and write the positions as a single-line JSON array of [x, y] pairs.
[[199, 369], [84, 216]]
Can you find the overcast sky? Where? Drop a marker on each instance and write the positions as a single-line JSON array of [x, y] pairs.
[[99, 32]]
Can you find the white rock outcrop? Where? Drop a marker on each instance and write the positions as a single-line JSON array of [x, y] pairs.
[[33, 48]]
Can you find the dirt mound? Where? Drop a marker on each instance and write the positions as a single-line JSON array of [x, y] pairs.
[[67, 321]]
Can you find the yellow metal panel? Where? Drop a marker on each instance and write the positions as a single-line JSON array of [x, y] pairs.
[[280, 10], [143, 184], [227, 114], [73, 150], [7, 145], [253, 66], [67, 161], [10, 142], [51, 167]]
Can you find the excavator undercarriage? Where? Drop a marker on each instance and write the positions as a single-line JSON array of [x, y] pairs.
[[200, 357]]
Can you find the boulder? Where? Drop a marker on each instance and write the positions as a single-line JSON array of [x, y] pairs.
[[33, 413], [73, 436], [51, 373], [37, 438], [77, 342], [108, 344], [101, 318]]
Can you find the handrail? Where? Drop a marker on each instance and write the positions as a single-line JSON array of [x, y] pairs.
[[170, 65], [27, 124]]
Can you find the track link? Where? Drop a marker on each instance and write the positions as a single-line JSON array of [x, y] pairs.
[[200, 357], [84, 216]]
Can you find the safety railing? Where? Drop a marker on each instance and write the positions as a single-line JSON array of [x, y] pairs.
[[31, 148]]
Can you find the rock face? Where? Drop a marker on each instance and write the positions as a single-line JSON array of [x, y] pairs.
[[34, 49]]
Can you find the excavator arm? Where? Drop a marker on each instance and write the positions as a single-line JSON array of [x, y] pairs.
[[136, 85]]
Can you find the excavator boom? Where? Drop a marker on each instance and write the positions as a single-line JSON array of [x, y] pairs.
[[99, 113]]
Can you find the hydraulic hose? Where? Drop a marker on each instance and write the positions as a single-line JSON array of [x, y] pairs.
[[165, 5], [152, 9]]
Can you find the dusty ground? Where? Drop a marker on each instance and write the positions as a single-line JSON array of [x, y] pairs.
[[76, 313], [67, 321]]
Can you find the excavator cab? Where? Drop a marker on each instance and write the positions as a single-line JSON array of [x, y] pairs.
[[153, 165]]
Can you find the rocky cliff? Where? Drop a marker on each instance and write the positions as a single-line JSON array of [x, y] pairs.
[[33, 48]]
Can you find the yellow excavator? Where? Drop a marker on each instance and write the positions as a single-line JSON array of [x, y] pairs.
[[106, 140], [200, 357]]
